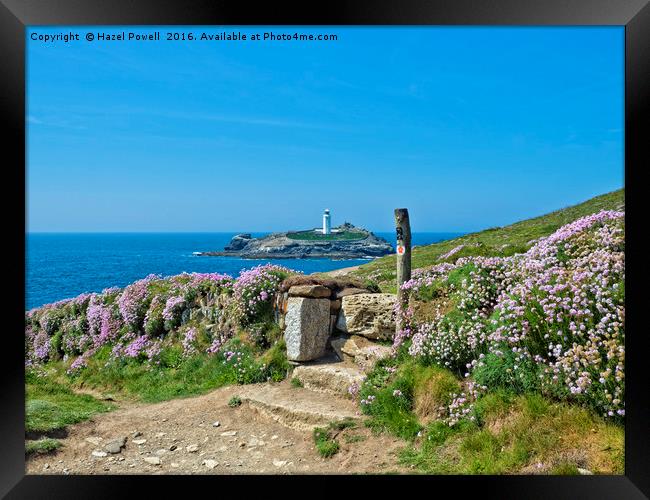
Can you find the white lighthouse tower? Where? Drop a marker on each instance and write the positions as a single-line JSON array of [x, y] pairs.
[[327, 229]]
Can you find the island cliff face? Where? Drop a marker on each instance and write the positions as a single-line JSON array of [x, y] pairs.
[[345, 242]]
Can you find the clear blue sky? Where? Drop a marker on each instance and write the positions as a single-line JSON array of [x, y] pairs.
[[466, 127]]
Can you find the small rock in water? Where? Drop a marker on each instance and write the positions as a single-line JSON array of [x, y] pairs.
[[152, 460], [136, 434], [174, 464], [210, 464], [216, 424], [193, 448], [139, 441], [99, 454], [172, 447], [279, 463], [229, 433], [161, 451], [274, 436]]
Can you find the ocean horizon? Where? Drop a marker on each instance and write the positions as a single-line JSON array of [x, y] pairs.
[[63, 265]]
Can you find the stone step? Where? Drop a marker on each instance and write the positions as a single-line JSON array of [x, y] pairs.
[[332, 378], [359, 350], [297, 407]]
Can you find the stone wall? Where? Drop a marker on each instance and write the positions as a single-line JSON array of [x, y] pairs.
[[316, 313]]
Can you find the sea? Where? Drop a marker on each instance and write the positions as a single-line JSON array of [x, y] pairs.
[[63, 265]]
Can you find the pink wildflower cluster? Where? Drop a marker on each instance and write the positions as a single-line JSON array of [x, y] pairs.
[[217, 343], [188, 342], [132, 301], [173, 307], [451, 252], [79, 363], [255, 288], [559, 308], [462, 405], [136, 347], [41, 349], [353, 389], [368, 400], [134, 321]]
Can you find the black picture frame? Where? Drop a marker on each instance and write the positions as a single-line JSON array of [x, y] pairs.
[[16, 15]]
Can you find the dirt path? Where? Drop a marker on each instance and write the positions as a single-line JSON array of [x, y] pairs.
[[180, 437], [337, 273]]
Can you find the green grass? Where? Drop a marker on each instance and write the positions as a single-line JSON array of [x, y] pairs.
[[354, 438], [42, 446], [501, 241], [387, 412], [520, 434], [326, 446], [325, 437], [234, 402], [296, 382], [510, 433], [178, 377], [313, 236], [51, 406]]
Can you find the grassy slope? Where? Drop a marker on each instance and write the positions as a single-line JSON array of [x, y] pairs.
[[518, 433], [51, 405], [501, 241]]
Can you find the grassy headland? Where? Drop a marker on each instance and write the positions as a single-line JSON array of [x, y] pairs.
[[339, 236], [497, 241]]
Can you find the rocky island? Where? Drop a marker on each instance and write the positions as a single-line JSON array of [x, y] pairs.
[[343, 242]]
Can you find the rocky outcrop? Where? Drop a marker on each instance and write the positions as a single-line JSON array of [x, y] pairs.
[[287, 246], [238, 242], [368, 314]]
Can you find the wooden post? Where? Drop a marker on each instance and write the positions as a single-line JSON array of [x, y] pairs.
[[403, 229]]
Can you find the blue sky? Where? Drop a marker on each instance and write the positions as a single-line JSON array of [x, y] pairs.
[[466, 127]]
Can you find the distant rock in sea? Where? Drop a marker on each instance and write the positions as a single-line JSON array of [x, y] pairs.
[[344, 242]]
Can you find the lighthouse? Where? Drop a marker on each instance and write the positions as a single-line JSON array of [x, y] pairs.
[[326, 222]]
